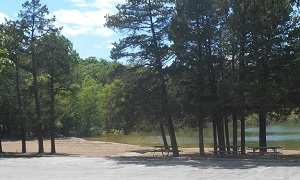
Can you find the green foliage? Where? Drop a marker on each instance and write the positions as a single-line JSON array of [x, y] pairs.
[[86, 111], [145, 24], [294, 116], [109, 105], [3, 50], [227, 57], [93, 106], [252, 119]]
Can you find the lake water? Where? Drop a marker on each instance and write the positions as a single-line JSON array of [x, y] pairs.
[[286, 135]]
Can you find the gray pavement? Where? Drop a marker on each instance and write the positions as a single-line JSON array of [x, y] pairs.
[[145, 168]]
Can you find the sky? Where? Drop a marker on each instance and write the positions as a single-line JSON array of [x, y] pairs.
[[82, 22]]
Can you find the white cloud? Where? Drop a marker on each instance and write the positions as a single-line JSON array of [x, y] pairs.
[[72, 17], [105, 32], [97, 3], [88, 17], [3, 17], [107, 3], [75, 30], [79, 3]]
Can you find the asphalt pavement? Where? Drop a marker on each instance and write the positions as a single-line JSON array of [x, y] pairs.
[[119, 168]]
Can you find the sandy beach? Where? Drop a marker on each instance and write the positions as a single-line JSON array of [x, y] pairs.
[[81, 147]]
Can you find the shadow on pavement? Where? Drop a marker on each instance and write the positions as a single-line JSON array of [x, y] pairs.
[[204, 163], [30, 155]]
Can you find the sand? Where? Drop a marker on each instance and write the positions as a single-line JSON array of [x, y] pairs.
[[80, 147]]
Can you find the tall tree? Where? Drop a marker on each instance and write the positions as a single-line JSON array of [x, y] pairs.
[[145, 23], [269, 24], [53, 53], [259, 34], [36, 24], [15, 51], [3, 58], [195, 30], [238, 27]]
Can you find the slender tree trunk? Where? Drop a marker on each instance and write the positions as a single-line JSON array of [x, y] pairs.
[[172, 136], [215, 137], [262, 130], [159, 69], [52, 114], [227, 133], [221, 137], [1, 136], [38, 106], [243, 42], [1, 146], [23, 134], [20, 109], [220, 129], [163, 133], [169, 118], [243, 135], [235, 136], [216, 111], [201, 138]]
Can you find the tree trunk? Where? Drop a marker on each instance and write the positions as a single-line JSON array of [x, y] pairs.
[[262, 130], [215, 137], [159, 69], [243, 135], [52, 115], [201, 138], [169, 118], [23, 134], [163, 133], [172, 136], [1, 136], [20, 108], [235, 136], [221, 137], [227, 133], [220, 130], [38, 107], [1, 146]]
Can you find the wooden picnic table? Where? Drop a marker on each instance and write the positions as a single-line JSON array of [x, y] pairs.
[[273, 148], [228, 150], [163, 149]]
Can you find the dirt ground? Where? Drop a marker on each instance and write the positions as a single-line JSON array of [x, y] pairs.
[[80, 147]]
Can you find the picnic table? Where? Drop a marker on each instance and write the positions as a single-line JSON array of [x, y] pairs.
[[274, 150], [224, 150], [163, 149]]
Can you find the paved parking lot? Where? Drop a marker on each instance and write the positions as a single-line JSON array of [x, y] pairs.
[[145, 168]]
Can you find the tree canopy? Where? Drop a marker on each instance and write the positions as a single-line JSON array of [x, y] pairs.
[[189, 63]]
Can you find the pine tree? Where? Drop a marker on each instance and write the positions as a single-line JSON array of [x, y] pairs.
[[145, 23], [35, 25]]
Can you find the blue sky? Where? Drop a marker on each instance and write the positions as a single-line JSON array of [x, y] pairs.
[[82, 22]]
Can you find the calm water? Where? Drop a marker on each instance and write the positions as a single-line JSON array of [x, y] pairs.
[[285, 135]]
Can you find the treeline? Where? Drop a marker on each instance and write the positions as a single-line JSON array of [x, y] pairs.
[[189, 63]]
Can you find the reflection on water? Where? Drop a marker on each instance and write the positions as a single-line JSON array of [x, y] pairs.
[[277, 129], [286, 135], [283, 132], [275, 137]]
